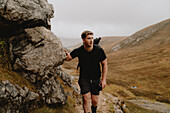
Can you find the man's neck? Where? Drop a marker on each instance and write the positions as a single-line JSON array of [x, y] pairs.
[[88, 49]]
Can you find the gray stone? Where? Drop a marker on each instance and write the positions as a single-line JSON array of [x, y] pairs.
[[48, 101], [32, 12], [14, 92], [42, 58], [32, 96], [54, 92], [2, 91], [13, 100], [11, 89], [26, 90], [5, 82], [45, 89], [64, 76], [22, 93], [118, 111]]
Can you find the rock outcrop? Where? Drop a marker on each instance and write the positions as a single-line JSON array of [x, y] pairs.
[[34, 52], [16, 99], [18, 14]]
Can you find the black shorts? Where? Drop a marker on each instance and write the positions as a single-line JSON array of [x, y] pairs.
[[89, 85]]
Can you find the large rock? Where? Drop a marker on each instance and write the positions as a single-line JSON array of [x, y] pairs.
[[15, 14], [36, 52]]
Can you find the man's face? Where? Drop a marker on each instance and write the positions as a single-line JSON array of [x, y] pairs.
[[88, 41]]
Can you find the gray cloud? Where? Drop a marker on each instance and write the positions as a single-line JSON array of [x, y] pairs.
[[106, 17]]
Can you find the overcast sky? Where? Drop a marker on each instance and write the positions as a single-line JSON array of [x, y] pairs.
[[106, 17]]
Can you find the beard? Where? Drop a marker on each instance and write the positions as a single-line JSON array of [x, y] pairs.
[[88, 44]]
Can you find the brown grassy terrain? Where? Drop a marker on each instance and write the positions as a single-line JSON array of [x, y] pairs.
[[110, 41], [146, 66]]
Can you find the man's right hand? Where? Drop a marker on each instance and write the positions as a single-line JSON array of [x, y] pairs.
[[68, 56]]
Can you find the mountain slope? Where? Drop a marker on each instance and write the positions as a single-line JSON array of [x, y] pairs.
[[108, 42], [152, 36], [143, 61]]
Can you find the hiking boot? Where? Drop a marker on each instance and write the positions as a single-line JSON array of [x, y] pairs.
[[93, 109]]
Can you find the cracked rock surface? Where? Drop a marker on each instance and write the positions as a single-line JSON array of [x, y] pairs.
[[16, 99], [23, 14], [34, 52]]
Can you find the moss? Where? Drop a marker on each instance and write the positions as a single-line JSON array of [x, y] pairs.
[[15, 78], [4, 53]]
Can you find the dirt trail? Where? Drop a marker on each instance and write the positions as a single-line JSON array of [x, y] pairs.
[[106, 104]]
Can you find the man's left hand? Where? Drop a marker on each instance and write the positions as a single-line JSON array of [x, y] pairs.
[[103, 82]]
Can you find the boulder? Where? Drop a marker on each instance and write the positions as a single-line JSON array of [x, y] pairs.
[[16, 14], [36, 52]]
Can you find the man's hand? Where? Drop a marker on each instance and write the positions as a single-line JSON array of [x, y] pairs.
[[68, 56], [103, 82]]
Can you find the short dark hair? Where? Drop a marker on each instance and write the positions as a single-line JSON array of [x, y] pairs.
[[85, 33]]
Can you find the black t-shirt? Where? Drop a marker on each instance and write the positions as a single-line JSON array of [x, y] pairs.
[[89, 61]]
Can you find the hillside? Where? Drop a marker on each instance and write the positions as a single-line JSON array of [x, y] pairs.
[[108, 42], [143, 61], [156, 35]]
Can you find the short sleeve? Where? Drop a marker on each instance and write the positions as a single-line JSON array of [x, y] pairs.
[[74, 53], [102, 55]]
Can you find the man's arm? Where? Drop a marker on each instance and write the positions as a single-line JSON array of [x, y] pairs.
[[68, 58], [104, 73]]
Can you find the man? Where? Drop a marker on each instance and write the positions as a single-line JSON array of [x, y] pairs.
[[90, 56]]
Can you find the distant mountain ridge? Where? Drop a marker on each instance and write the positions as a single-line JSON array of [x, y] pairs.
[[143, 35], [69, 42]]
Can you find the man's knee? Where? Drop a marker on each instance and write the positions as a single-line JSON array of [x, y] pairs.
[[86, 97], [94, 102]]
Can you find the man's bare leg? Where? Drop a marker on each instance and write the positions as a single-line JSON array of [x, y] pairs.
[[86, 102], [95, 99]]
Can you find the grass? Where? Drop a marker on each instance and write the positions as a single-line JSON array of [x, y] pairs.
[[148, 70], [15, 78], [118, 91]]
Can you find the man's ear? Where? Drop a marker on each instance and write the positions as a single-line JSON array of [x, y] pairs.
[[83, 39]]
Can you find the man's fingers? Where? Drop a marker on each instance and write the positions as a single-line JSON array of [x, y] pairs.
[[103, 86], [66, 52]]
